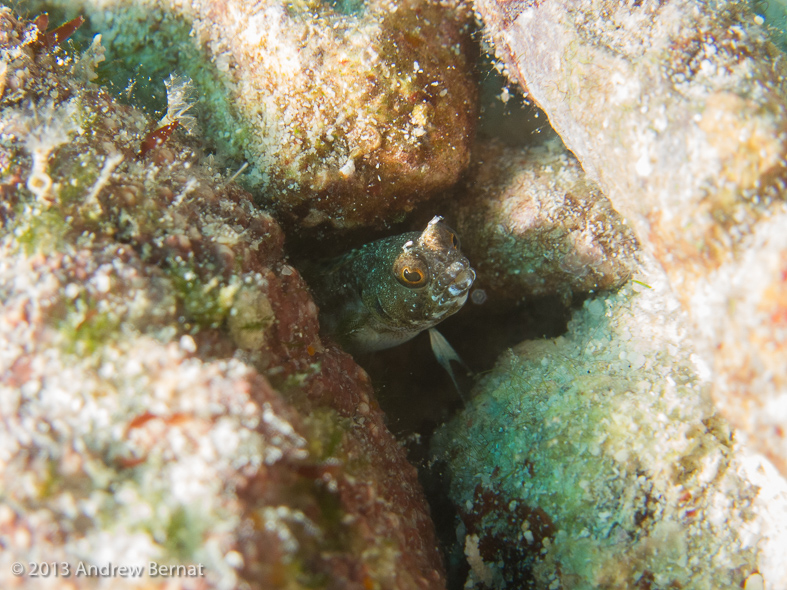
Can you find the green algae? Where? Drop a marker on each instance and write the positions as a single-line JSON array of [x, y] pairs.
[[327, 431], [87, 328], [52, 480], [184, 532], [142, 58], [348, 7], [38, 230], [774, 14], [42, 228], [297, 380], [206, 303]]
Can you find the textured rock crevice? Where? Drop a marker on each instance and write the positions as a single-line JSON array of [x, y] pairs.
[[677, 110], [597, 459], [346, 118], [166, 395], [535, 226]]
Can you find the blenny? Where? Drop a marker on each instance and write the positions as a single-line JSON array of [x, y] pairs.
[[388, 291]]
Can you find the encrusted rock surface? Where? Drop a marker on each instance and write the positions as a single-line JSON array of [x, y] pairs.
[[349, 113], [164, 392], [677, 109], [596, 460], [534, 225]]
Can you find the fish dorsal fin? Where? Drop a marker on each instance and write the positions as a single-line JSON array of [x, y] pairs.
[[445, 353]]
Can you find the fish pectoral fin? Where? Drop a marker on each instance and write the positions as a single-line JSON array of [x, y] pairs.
[[445, 353]]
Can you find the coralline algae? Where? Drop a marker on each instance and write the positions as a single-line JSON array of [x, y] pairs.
[[596, 460], [347, 113]]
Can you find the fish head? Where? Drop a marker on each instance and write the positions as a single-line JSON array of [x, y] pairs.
[[428, 279]]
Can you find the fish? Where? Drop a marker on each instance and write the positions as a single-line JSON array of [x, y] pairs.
[[386, 292]]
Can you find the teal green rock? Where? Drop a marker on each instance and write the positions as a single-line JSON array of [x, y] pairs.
[[595, 460]]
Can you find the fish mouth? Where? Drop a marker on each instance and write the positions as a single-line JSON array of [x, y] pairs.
[[455, 282]]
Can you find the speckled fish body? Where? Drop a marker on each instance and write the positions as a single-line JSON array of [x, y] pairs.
[[388, 291]]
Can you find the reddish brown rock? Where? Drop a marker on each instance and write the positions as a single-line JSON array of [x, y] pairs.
[[165, 394], [348, 113], [534, 225]]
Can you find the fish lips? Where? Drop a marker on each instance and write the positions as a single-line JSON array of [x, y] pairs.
[[454, 283]]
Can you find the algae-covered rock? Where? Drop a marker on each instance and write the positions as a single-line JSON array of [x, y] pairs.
[[534, 225], [596, 460], [164, 393], [677, 109], [348, 113]]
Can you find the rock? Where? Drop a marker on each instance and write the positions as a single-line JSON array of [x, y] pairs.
[[677, 110], [348, 113], [533, 225], [597, 460], [166, 397]]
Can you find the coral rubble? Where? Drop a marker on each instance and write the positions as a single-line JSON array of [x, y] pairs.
[[596, 460], [534, 225], [677, 109], [349, 113], [164, 393]]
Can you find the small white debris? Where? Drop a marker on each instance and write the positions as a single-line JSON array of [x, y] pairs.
[[478, 296], [234, 559], [754, 581], [187, 343], [505, 96], [348, 169], [480, 569], [238, 173], [102, 283], [190, 185], [644, 167]]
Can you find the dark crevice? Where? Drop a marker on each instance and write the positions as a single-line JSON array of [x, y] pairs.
[[417, 395]]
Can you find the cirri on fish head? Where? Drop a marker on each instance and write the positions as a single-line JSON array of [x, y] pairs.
[[386, 292]]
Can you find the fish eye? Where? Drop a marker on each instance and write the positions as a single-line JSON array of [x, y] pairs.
[[411, 272], [412, 276], [454, 241]]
